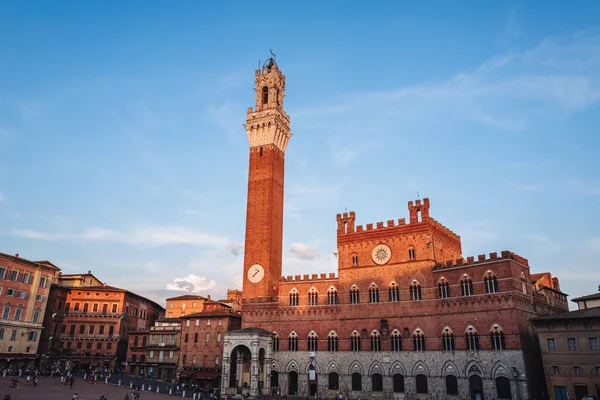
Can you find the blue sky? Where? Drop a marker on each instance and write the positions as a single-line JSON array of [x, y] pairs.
[[122, 149]]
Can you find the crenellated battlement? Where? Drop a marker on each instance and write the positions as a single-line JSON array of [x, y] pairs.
[[419, 214], [444, 229], [308, 277], [482, 258]]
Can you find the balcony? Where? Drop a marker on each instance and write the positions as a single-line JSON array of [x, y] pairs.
[[67, 336], [60, 314]]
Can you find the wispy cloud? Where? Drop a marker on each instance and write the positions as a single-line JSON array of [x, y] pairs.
[[526, 187], [147, 236], [235, 249], [537, 238], [302, 251], [310, 197], [561, 73], [346, 151]]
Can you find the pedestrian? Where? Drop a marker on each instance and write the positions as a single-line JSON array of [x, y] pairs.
[[74, 397], [71, 380]]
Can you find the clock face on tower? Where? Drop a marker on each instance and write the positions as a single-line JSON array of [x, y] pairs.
[[256, 273], [381, 254]]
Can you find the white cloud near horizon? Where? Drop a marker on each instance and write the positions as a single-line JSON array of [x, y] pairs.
[[192, 284], [152, 236]]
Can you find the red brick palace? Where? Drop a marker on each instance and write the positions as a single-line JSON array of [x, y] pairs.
[[405, 316]]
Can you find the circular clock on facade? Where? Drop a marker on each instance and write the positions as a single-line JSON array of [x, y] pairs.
[[255, 273], [381, 254]]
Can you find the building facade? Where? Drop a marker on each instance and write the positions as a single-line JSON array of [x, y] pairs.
[[24, 290], [405, 316], [570, 347], [154, 353], [186, 304], [90, 322], [202, 336]]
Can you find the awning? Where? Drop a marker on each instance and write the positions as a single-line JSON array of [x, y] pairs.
[[207, 374]]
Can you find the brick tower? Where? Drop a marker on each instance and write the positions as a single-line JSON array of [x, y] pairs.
[[268, 128]]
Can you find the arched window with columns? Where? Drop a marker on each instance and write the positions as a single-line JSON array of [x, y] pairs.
[[332, 296], [375, 341], [293, 342], [497, 338], [313, 297], [490, 282], [355, 341]]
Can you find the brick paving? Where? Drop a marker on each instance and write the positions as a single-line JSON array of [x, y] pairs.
[[51, 389]]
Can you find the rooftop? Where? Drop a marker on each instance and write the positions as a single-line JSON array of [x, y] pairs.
[[595, 296], [586, 313]]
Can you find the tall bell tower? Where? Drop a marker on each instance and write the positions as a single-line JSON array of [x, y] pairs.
[[268, 128]]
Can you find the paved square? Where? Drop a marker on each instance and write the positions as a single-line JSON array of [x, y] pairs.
[[51, 389]]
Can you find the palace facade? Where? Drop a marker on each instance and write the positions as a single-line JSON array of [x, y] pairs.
[[404, 316], [24, 291]]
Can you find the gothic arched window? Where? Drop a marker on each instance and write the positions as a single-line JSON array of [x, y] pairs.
[[332, 342], [373, 294], [355, 341], [275, 341], [396, 339], [293, 342], [419, 340], [375, 341], [313, 297], [415, 290], [293, 297], [448, 340], [443, 288], [394, 292], [332, 296], [313, 342], [497, 338], [491, 282], [472, 338], [466, 286], [354, 295]]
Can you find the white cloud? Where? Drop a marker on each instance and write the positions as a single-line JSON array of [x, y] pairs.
[[302, 251], [153, 236], [192, 284]]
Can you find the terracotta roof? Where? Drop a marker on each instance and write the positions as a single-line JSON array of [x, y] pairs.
[[586, 313], [165, 319], [588, 297], [107, 288], [251, 330], [536, 277], [26, 261], [214, 313], [187, 297]]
